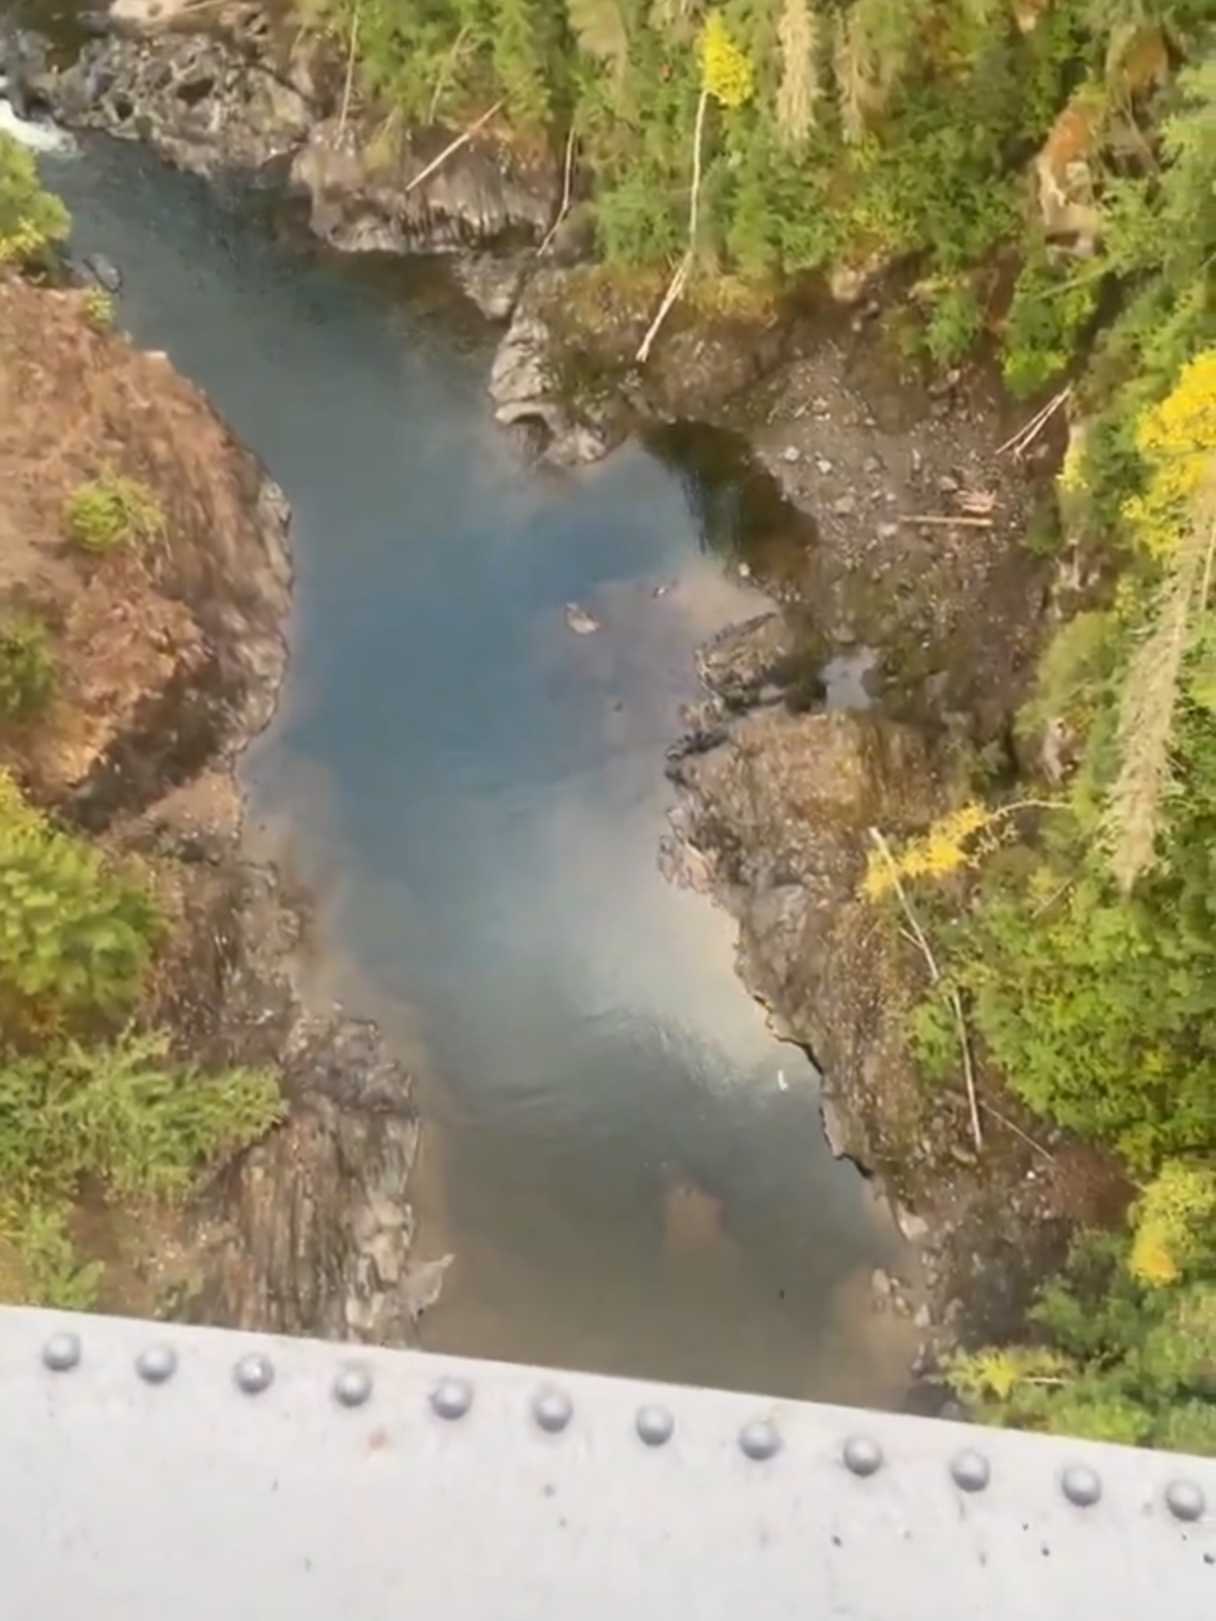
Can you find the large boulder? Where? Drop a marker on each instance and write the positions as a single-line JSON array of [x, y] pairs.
[[368, 193]]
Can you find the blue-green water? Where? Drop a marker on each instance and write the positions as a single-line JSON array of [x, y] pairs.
[[477, 794]]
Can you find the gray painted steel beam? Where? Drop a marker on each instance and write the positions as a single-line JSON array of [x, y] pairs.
[[158, 1473]]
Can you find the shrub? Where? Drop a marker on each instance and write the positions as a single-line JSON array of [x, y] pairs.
[[99, 309], [31, 219], [75, 935], [27, 666], [122, 1116], [111, 511], [1123, 1347]]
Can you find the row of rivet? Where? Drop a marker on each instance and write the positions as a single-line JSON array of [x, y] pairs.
[[552, 1410]]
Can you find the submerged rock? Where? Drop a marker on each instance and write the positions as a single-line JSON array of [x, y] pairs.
[[580, 621]]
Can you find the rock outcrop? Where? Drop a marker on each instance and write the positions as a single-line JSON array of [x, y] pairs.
[[169, 658], [242, 92], [777, 808], [787, 773]]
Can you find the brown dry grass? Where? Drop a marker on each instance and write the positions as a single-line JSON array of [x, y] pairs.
[[75, 403]]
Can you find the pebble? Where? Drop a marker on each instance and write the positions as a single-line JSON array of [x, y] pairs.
[[882, 1283], [922, 1318], [948, 485], [791, 454], [888, 531], [872, 464], [823, 465], [914, 1228], [845, 505]]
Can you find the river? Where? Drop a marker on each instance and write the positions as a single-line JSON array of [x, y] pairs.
[[628, 1168]]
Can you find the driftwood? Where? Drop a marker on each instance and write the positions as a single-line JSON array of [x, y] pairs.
[[684, 269]]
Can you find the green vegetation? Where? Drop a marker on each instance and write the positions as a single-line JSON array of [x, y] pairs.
[[822, 133], [1076, 922], [88, 1103], [75, 936], [1127, 1339], [31, 219], [120, 1118], [99, 309], [27, 667], [112, 511]]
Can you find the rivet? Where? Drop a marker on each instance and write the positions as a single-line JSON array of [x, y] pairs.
[[157, 1364], [970, 1471], [1185, 1500], [655, 1426], [862, 1456], [254, 1374], [1081, 1485], [759, 1440], [552, 1410], [62, 1352], [353, 1386], [452, 1398]]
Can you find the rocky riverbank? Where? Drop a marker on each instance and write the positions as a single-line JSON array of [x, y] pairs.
[[169, 659], [919, 573]]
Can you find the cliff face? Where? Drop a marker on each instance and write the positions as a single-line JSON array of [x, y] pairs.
[[169, 656]]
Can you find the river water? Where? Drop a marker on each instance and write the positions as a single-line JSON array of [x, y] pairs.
[[629, 1170]]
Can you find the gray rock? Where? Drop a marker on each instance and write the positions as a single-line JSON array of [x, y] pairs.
[[424, 1284], [523, 385], [103, 271], [492, 282]]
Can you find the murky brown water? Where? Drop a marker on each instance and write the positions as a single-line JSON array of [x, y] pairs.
[[628, 1168]]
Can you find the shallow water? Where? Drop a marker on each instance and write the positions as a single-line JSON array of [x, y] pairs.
[[629, 1169]]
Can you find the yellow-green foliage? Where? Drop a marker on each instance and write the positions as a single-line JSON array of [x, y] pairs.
[[75, 936], [27, 667], [110, 511], [99, 309], [31, 219], [728, 74], [122, 1117], [1177, 443], [1174, 1226], [1126, 1339], [1173, 520]]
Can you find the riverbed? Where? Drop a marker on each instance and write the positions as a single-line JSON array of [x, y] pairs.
[[628, 1169]]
